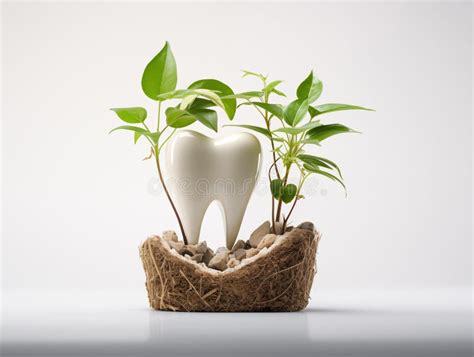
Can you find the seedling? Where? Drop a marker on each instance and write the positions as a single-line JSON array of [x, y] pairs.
[[195, 104], [292, 129]]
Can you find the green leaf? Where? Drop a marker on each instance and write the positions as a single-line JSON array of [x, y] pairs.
[[276, 91], [330, 163], [258, 129], [333, 107], [175, 94], [313, 111], [131, 115], [311, 142], [137, 130], [296, 111], [311, 88], [187, 101], [271, 86], [208, 117], [288, 193], [254, 74], [298, 130], [201, 103], [323, 132], [160, 75], [280, 140], [276, 188], [178, 118], [245, 95], [182, 93], [153, 136], [316, 170], [275, 109], [230, 104], [317, 161], [211, 95], [136, 136]]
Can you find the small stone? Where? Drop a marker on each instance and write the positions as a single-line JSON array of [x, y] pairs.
[[197, 258], [170, 236], [259, 233], [164, 242], [309, 226], [238, 245], [267, 241], [219, 261], [178, 246], [201, 247], [232, 263], [207, 256], [190, 249], [278, 228], [187, 256], [251, 252], [240, 254], [222, 250], [279, 239]]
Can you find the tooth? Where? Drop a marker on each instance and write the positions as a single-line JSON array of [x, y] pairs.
[[204, 169]]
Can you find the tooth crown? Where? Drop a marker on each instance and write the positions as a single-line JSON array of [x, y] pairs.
[[203, 170]]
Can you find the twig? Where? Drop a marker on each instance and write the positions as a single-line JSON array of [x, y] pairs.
[[271, 194], [157, 154]]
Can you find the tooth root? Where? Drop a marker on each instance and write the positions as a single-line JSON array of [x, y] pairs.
[[233, 215], [192, 213], [202, 168]]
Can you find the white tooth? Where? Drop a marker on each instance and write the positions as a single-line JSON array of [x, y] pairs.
[[201, 170]]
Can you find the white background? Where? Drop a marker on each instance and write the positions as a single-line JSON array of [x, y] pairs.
[[77, 202]]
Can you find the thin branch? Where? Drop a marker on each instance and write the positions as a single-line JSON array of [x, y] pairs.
[[271, 194], [157, 150], [166, 140], [159, 115], [302, 180], [158, 166], [280, 201]]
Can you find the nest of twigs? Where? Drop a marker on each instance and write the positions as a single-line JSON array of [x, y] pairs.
[[278, 278]]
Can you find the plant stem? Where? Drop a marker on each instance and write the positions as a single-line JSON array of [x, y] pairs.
[[167, 139], [271, 195], [285, 221], [267, 122], [159, 115], [280, 201], [273, 147], [158, 166], [157, 150]]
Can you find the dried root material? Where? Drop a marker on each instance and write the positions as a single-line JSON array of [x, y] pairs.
[[278, 279]]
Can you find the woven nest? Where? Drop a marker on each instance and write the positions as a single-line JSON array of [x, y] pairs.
[[277, 279]]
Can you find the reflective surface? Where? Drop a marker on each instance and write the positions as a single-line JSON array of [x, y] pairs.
[[336, 324]]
